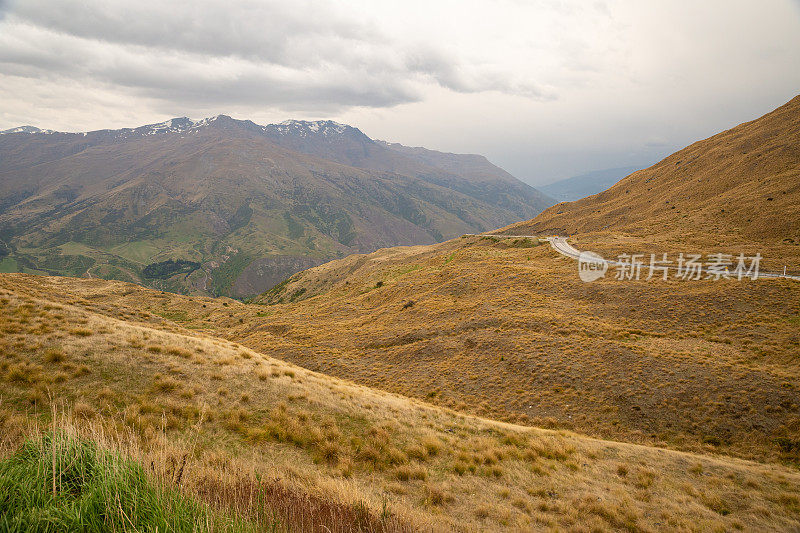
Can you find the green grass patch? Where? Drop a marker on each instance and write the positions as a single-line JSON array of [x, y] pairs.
[[225, 276], [522, 242], [407, 270], [137, 251], [174, 315], [77, 248], [91, 490], [8, 264]]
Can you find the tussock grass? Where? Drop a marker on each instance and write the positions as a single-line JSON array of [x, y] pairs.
[[60, 482]]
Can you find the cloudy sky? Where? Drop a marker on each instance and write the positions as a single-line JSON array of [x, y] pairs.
[[546, 89]]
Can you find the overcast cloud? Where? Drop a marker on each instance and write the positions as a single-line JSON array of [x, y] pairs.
[[546, 89]]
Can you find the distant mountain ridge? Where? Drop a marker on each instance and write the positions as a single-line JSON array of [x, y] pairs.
[[25, 129], [249, 204], [742, 184], [587, 184]]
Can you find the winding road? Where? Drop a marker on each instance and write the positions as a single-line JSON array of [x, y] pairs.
[[560, 245]]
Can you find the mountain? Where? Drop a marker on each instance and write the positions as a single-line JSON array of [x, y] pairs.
[[228, 207], [138, 372], [583, 185], [472, 175], [25, 129], [741, 184]]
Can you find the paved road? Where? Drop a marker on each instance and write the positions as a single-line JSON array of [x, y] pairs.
[[560, 245]]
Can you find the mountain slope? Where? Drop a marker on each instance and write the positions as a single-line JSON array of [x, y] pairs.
[[237, 210], [470, 174], [264, 439], [577, 187], [743, 183]]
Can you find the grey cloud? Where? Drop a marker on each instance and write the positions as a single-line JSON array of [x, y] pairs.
[[262, 87], [632, 81], [301, 54], [192, 79], [447, 73], [272, 32]]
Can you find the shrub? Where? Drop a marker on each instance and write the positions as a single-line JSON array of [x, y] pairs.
[[417, 451], [23, 372], [482, 512], [81, 370], [330, 451], [438, 495]]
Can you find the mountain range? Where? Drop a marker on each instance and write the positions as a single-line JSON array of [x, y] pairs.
[[222, 206]]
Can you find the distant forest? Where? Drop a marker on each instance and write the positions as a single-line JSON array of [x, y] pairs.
[[168, 268]]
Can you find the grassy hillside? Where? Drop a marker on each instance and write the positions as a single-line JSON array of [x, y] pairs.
[[502, 329], [506, 329], [223, 422]]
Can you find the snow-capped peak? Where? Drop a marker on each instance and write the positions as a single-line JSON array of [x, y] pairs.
[[173, 125], [26, 129], [183, 125]]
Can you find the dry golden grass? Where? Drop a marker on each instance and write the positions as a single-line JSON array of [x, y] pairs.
[[510, 332], [343, 443]]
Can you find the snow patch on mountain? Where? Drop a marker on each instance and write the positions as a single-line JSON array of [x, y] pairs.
[[182, 125], [26, 129], [304, 127]]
